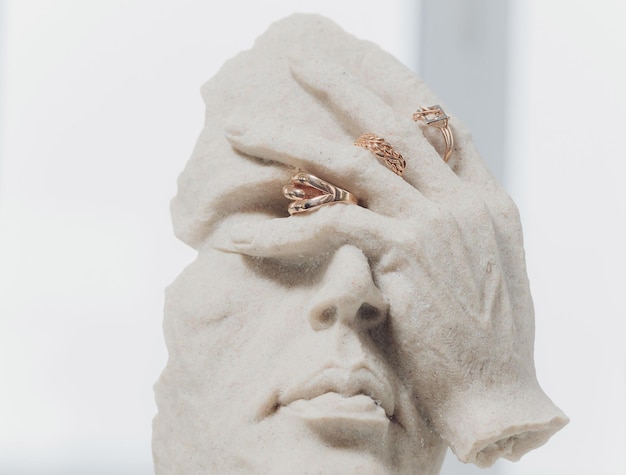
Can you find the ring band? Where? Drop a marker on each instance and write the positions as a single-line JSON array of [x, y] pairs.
[[436, 117], [384, 151], [309, 192]]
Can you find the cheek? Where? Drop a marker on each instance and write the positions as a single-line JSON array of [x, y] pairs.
[[227, 323], [214, 287]]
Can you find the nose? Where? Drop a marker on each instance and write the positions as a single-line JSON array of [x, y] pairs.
[[348, 294]]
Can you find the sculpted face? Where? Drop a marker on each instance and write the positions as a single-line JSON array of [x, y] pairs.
[[306, 382], [359, 338]]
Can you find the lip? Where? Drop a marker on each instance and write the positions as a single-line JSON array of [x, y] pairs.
[[342, 393], [334, 409]]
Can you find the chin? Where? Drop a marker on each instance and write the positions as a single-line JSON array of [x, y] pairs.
[[285, 445], [302, 453]]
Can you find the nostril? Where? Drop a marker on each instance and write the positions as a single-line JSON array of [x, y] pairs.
[[325, 318], [328, 315], [369, 316]]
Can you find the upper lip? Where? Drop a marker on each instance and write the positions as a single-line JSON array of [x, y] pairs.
[[347, 382]]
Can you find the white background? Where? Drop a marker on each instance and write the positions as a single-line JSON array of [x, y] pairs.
[[100, 110]]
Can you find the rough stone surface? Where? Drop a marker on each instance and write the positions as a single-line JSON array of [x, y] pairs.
[[352, 339]]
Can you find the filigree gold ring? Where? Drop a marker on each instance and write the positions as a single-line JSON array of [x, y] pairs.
[[434, 116], [309, 192], [383, 151]]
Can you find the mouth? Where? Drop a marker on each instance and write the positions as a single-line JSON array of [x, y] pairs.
[[342, 395]]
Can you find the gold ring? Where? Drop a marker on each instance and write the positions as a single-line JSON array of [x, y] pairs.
[[384, 151], [309, 192], [436, 117]]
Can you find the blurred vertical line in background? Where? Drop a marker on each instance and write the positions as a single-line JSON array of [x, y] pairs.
[[2, 73], [464, 59]]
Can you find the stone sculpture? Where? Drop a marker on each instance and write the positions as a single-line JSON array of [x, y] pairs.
[[350, 338]]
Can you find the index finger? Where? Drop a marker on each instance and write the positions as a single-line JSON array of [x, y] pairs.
[[342, 164], [314, 234]]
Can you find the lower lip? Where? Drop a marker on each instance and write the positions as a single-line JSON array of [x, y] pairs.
[[344, 420]]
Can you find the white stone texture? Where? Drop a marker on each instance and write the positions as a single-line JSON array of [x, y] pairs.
[[352, 339]]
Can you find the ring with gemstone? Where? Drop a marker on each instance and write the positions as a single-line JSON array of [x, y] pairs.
[[434, 116]]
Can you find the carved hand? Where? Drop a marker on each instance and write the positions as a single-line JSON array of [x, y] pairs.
[[444, 244]]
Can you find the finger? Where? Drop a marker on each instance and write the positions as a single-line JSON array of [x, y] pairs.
[[405, 92], [314, 233], [299, 149], [345, 165], [357, 109], [362, 111], [467, 163], [391, 80]]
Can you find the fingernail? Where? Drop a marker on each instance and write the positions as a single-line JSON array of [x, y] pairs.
[[242, 234], [234, 134]]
